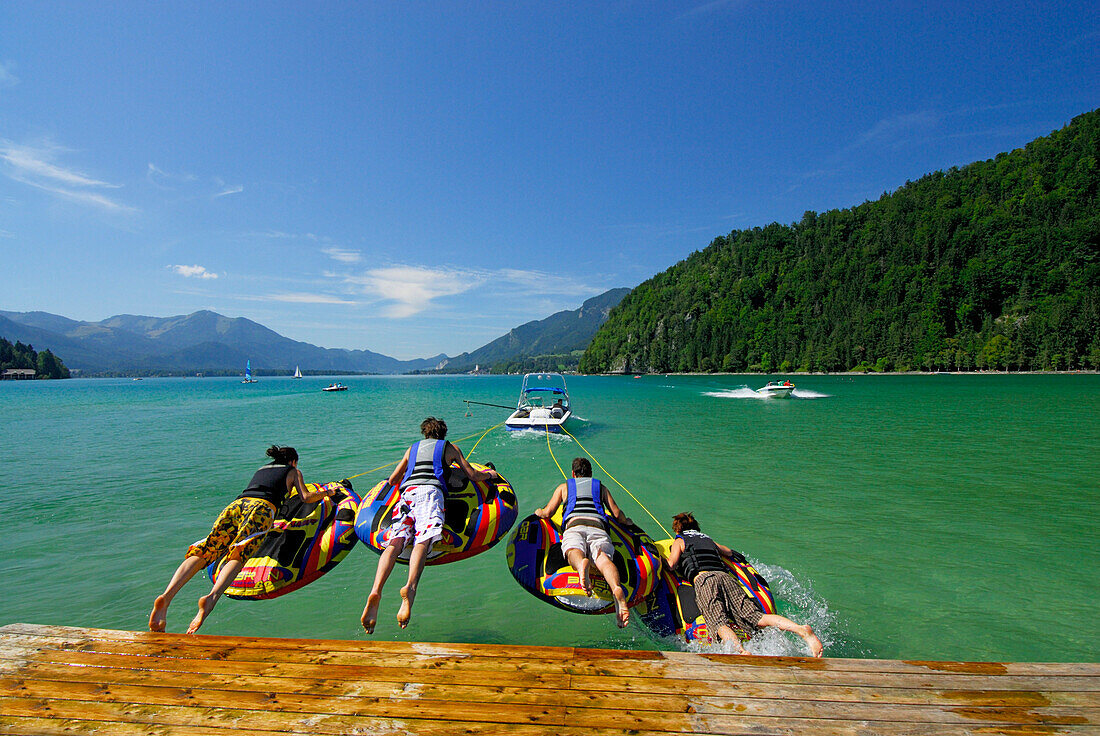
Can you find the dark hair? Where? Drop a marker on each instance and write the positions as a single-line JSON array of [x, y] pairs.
[[683, 521], [434, 429], [582, 468], [282, 455]]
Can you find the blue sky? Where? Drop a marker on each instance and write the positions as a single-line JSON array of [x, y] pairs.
[[416, 178]]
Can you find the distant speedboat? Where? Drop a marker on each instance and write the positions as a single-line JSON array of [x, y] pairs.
[[248, 372], [335, 387], [777, 390], [543, 403]]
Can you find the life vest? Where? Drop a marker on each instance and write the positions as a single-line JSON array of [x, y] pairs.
[[584, 503], [269, 483], [426, 466], [700, 554]]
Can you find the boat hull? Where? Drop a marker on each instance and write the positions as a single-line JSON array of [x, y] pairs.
[[541, 424]]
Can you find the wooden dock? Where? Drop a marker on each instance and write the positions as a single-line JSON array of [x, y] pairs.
[[61, 680]]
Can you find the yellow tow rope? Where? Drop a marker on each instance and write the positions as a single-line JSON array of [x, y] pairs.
[[460, 439], [609, 475], [548, 447]]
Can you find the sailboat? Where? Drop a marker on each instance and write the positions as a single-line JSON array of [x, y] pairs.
[[297, 372], [248, 372]]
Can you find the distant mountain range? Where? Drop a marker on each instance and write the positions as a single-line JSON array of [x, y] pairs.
[[209, 342], [561, 332]]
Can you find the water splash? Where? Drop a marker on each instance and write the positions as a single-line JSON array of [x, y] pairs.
[[745, 392], [540, 435], [797, 601]]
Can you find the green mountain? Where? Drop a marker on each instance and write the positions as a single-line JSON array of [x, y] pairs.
[[993, 265], [559, 334]]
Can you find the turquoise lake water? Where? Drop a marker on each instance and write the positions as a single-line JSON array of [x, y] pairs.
[[918, 517]]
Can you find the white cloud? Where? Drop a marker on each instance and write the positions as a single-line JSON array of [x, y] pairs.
[[34, 166], [230, 190], [194, 272], [342, 255], [6, 234], [411, 289], [7, 79], [164, 179], [898, 129], [298, 298]]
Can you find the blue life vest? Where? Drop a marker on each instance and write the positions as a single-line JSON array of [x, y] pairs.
[[584, 503], [426, 467]]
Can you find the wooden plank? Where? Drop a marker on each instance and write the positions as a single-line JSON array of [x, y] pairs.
[[320, 645], [66, 680], [557, 697], [714, 681], [500, 712], [75, 635], [190, 716]]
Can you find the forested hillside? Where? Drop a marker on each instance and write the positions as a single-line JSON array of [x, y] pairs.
[[994, 265], [45, 364]]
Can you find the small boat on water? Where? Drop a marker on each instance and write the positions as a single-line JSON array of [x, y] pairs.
[[776, 389], [543, 403], [297, 372], [335, 387], [248, 372]]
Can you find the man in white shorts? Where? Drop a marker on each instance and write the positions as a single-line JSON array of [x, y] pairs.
[[418, 516], [584, 538]]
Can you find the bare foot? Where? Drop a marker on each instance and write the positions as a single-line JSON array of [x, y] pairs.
[[816, 647], [405, 612], [158, 619], [370, 612], [586, 580], [622, 611], [206, 605]]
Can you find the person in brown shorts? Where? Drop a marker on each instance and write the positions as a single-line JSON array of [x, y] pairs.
[[726, 607], [237, 533]]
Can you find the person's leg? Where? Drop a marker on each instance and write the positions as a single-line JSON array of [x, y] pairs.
[[417, 558], [580, 563], [610, 573], [728, 636], [158, 619], [803, 630], [225, 578], [381, 574]]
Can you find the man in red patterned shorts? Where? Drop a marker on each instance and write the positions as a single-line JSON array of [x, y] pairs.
[[418, 516]]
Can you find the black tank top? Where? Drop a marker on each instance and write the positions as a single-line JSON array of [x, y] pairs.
[[269, 483], [700, 554]]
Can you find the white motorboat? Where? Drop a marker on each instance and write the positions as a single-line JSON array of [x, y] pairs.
[[543, 403], [335, 387], [776, 389]]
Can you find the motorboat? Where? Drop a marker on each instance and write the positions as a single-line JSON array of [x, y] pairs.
[[543, 403], [335, 387], [776, 389]]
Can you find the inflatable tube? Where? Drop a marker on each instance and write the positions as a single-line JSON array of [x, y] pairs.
[[477, 515], [536, 562], [671, 609], [307, 540]]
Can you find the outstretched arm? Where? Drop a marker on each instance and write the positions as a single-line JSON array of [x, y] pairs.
[[675, 552], [552, 505], [399, 472], [613, 508], [724, 551], [454, 455], [295, 482]]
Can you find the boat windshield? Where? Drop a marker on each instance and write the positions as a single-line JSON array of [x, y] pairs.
[[543, 390]]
